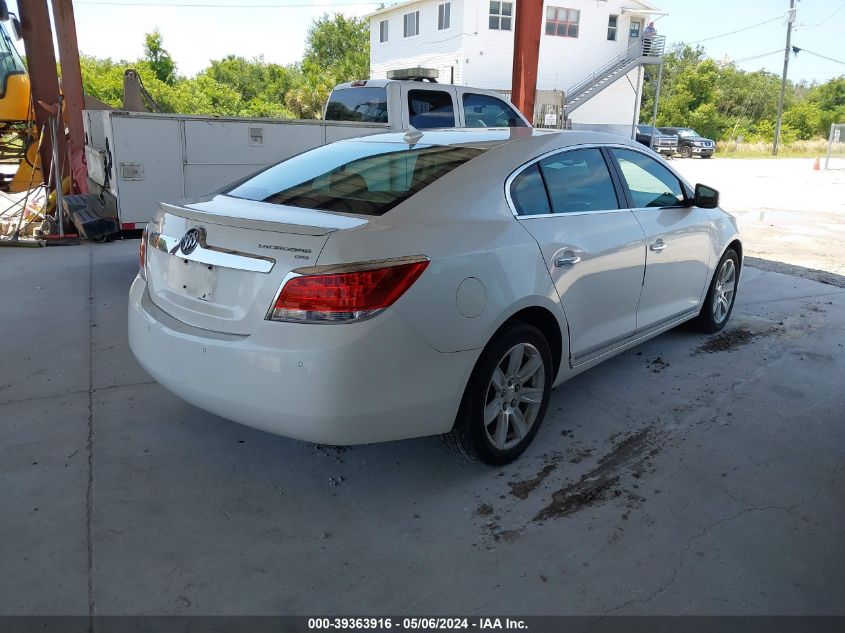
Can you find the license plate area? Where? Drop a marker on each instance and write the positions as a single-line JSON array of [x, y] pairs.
[[193, 279]]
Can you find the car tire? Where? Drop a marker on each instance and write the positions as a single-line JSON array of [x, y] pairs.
[[493, 398], [686, 151], [721, 296]]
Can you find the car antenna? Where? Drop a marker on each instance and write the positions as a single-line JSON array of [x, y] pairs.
[[412, 135]]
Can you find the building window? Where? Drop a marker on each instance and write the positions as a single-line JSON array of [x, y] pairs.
[[444, 16], [562, 22], [412, 24], [382, 31], [612, 24], [635, 29], [501, 15]]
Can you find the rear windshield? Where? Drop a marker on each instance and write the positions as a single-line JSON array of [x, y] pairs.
[[353, 177], [367, 105]]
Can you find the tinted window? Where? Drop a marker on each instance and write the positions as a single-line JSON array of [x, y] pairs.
[[368, 105], [486, 111], [353, 177], [528, 192], [579, 180], [650, 183], [430, 108]]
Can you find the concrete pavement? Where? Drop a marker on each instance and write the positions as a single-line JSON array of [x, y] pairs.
[[690, 475]]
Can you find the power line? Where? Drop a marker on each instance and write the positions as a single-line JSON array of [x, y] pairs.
[[841, 6], [797, 50], [746, 59], [745, 28], [192, 5]]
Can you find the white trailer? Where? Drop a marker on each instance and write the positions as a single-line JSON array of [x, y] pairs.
[[137, 160]]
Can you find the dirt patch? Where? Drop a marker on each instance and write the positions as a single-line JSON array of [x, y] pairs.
[[484, 510], [729, 340], [575, 496], [578, 455], [521, 489], [658, 364], [602, 481]]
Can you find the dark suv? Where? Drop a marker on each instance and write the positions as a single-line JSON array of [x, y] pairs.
[[690, 142], [663, 143]]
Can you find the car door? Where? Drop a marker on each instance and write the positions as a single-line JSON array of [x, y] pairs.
[[594, 248], [678, 237]]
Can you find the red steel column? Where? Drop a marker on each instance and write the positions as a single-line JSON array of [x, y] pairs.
[[526, 54], [41, 65], [74, 101]]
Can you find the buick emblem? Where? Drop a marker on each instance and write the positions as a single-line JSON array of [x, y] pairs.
[[191, 240]]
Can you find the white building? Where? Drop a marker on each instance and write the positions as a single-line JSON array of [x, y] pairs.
[[471, 43]]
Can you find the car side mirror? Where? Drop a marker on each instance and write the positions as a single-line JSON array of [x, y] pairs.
[[706, 197]]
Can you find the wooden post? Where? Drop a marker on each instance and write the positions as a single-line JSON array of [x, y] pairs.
[[526, 55]]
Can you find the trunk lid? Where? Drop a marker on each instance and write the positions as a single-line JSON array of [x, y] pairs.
[[218, 264]]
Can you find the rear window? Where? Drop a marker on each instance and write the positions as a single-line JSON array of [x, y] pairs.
[[366, 105], [353, 177]]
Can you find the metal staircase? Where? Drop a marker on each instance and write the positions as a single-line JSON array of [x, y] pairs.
[[646, 51]]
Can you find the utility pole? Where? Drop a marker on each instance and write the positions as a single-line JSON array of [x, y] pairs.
[[789, 20], [656, 102], [526, 53]]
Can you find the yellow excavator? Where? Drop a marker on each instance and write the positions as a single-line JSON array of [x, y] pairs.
[[18, 136]]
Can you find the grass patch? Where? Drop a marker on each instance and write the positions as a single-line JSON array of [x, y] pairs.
[[795, 149]]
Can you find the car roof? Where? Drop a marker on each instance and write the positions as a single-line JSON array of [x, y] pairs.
[[488, 138], [431, 85]]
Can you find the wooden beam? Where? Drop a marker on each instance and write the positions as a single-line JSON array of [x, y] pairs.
[[74, 101], [526, 55], [43, 78]]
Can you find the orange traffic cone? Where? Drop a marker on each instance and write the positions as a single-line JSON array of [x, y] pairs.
[[816, 164]]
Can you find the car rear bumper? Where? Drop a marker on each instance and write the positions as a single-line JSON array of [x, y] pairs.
[[358, 383]]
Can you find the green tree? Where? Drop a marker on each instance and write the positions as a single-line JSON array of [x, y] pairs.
[[339, 45], [159, 59], [309, 92], [830, 98]]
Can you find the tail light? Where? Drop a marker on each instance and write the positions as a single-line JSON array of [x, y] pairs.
[[142, 255], [349, 292]]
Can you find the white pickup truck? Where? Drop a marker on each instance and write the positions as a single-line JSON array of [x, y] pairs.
[[138, 159]]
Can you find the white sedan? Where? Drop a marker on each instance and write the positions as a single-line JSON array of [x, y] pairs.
[[397, 285]]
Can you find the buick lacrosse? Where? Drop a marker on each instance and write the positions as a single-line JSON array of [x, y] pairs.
[[396, 286]]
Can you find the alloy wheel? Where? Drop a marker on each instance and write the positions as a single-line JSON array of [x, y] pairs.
[[514, 396], [724, 291]]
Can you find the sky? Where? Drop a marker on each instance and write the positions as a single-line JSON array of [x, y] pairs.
[[276, 30]]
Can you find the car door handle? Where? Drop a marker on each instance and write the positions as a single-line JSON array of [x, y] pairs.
[[567, 261], [658, 246]]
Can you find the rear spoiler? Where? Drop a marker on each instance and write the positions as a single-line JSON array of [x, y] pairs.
[[250, 214]]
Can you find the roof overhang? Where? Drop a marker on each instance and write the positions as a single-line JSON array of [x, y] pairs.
[[632, 11], [392, 7]]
